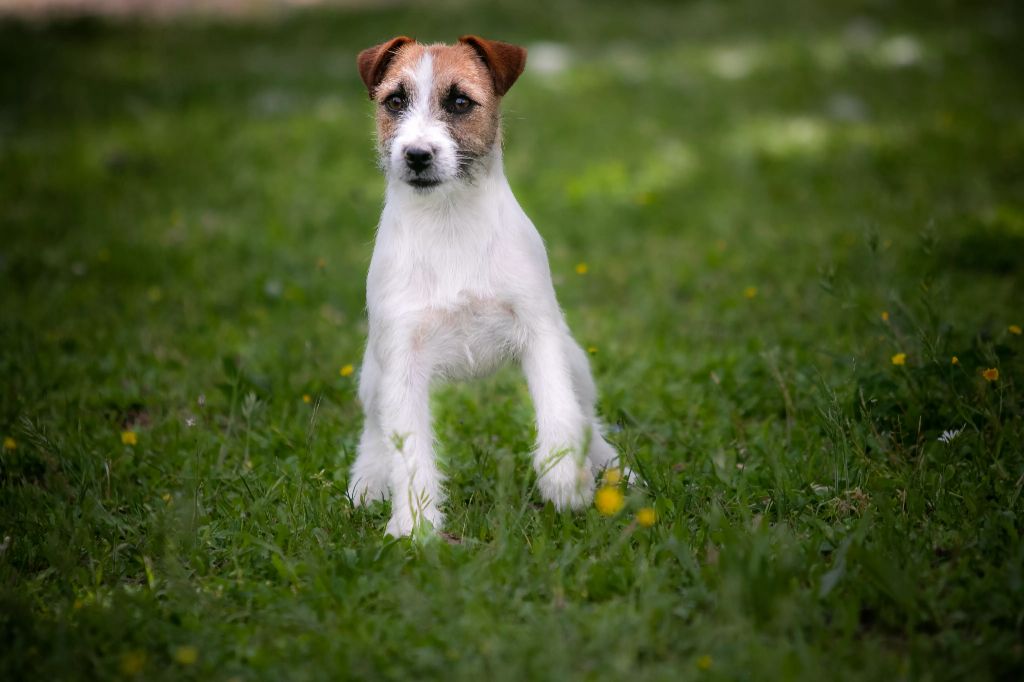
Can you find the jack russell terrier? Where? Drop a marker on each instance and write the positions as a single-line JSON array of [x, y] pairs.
[[459, 282]]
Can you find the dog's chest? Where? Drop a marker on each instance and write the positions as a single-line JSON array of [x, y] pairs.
[[450, 285], [457, 313], [465, 321]]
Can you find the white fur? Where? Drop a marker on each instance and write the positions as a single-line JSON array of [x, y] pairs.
[[459, 283], [420, 128]]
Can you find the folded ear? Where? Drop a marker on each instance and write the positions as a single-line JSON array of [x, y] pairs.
[[373, 61], [504, 60]]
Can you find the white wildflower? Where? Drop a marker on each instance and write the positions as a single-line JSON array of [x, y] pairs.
[[949, 434]]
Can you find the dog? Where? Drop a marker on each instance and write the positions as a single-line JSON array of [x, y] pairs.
[[459, 283]]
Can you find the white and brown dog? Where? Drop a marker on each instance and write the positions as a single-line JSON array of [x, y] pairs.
[[459, 282]]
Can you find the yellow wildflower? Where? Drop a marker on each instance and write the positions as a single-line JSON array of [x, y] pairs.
[[166, 497], [186, 655], [990, 374], [10, 444], [750, 292], [704, 662], [612, 476], [1015, 329], [306, 398], [646, 517], [346, 371], [129, 437], [609, 500], [899, 359], [133, 662], [955, 361], [592, 350], [885, 316], [581, 268]]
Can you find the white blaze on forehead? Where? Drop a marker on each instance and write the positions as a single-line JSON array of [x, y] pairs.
[[423, 79]]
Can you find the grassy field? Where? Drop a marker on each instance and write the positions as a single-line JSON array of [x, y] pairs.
[[802, 226]]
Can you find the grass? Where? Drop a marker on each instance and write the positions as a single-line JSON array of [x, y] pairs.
[[187, 215]]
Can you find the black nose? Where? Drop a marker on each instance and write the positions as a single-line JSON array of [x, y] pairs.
[[418, 159]]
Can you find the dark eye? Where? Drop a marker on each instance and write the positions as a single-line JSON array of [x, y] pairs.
[[396, 102], [458, 104]]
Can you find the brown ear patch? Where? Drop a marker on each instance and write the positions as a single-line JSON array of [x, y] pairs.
[[505, 61], [373, 61]]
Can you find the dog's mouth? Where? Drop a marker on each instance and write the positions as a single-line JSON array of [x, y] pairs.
[[424, 183]]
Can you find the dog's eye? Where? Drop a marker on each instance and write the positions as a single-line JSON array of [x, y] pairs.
[[458, 104], [395, 102]]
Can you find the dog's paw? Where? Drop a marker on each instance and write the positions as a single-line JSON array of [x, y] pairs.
[[567, 484], [364, 491], [406, 522]]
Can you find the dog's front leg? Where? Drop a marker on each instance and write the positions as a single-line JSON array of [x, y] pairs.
[[370, 475], [405, 421], [562, 431]]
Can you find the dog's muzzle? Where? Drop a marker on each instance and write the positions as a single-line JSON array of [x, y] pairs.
[[420, 161]]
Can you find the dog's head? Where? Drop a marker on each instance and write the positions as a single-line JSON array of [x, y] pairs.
[[438, 105]]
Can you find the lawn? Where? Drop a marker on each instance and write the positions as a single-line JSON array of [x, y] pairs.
[[790, 234]]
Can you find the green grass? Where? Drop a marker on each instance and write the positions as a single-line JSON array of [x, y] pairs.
[[187, 214]]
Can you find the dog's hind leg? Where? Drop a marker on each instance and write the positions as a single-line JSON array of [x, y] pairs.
[[371, 472]]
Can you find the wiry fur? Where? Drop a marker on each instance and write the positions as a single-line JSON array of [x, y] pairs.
[[458, 284]]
